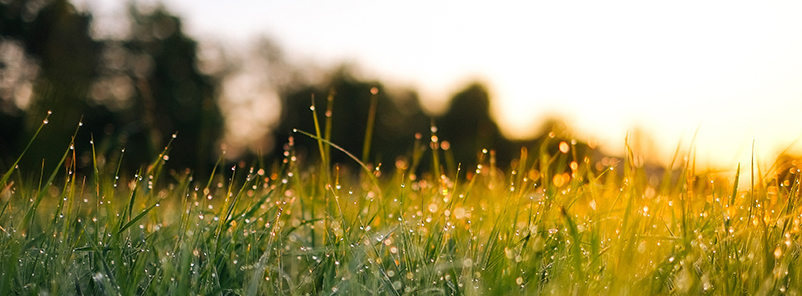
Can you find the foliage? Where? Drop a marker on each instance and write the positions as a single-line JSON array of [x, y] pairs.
[[133, 91]]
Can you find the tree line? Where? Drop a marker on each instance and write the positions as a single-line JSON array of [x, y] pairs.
[[136, 91]]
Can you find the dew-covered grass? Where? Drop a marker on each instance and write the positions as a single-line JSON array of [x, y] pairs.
[[551, 225]]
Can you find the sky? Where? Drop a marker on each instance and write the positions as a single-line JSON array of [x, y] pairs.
[[728, 72]]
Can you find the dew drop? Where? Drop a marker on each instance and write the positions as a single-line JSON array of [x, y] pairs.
[[433, 207], [564, 147]]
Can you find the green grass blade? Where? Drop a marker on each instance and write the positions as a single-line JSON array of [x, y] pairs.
[[323, 158], [135, 219], [29, 215], [370, 124], [16, 162], [735, 185], [361, 164]]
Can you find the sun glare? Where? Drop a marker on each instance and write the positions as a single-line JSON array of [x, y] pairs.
[[729, 69], [667, 68]]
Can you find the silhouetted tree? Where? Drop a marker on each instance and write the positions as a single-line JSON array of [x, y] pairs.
[[469, 127], [397, 119], [57, 38], [135, 91], [171, 95]]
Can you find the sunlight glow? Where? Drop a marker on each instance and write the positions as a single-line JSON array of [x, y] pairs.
[[731, 70]]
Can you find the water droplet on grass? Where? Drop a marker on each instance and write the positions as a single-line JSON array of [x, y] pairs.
[[433, 207], [564, 147]]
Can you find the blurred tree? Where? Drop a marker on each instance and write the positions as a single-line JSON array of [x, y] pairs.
[[134, 91], [398, 117], [469, 127], [137, 90], [170, 94], [62, 62]]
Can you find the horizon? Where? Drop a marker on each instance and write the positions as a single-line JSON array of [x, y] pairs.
[[729, 71]]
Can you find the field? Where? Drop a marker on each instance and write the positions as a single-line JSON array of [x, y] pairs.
[[551, 225]]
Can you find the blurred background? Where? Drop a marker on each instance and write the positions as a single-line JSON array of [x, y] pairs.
[[239, 76]]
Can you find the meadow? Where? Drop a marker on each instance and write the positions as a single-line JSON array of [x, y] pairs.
[[551, 224]]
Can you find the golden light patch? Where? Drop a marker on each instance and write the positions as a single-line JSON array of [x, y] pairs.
[[561, 179], [564, 147]]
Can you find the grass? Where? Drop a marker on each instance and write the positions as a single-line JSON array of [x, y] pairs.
[[551, 225]]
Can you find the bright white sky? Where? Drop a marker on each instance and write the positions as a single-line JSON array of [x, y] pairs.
[[732, 69]]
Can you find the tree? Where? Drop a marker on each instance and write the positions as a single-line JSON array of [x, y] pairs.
[[469, 127], [171, 94], [57, 40], [135, 91], [398, 116]]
